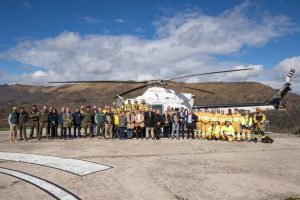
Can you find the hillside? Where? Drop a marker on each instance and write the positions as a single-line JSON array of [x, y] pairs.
[[101, 94]]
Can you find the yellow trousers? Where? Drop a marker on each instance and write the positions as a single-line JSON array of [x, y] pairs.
[[246, 132], [204, 127]]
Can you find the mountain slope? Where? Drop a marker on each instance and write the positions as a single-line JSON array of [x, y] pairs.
[[73, 95]]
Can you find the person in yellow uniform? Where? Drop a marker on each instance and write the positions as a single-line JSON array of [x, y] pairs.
[[236, 124], [229, 116], [128, 106], [213, 131], [213, 117], [198, 114], [246, 126], [135, 105], [227, 132], [205, 122], [259, 119], [116, 124], [143, 106], [222, 118]]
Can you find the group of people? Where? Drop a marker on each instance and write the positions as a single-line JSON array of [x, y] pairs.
[[135, 120]]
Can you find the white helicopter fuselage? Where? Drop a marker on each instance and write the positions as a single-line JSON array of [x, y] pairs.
[[162, 98]]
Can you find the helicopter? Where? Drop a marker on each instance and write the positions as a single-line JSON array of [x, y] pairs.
[[159, 95]]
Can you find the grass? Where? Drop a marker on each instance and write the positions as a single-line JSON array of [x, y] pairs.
[[292, 198], [4, 129]]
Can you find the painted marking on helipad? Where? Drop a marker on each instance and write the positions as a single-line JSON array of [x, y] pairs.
[[49, 187], [74, 166]]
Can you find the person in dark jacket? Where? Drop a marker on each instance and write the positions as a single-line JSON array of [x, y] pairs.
[[13, 121], [53, 120], [34, 121], [122, 125], [44, 122], [191, 118], [166, 120], [61, 121], [182, 120], [23, 122], [88, 119], [100, 119], [149, 123], [157, 124], [77, 117], [109, 117]]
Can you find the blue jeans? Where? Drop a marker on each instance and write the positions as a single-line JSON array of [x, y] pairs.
[[175, 128], [77, 126], [122, 133], [129, 133], [65, 132]]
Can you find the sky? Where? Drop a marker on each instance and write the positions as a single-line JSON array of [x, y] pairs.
[[51, 40]]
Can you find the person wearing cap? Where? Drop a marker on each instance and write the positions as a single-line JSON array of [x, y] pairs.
[[23, 122], [13, 120], [246, 126], [227, 132], [259, 119], [44, 122], [236, 124]]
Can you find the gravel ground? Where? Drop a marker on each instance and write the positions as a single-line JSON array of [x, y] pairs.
[[163, 169]]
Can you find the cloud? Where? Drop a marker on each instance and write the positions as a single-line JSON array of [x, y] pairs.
[[119, 20], [186, 43], [91, 20], [288, 63]]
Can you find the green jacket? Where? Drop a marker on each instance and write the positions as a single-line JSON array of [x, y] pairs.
[[88, 117], [34, 116], [23, 118], [100, 118], [44, 116], [68, 119]]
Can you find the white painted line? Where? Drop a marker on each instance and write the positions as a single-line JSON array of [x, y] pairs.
[[74, 166], [52, 189]]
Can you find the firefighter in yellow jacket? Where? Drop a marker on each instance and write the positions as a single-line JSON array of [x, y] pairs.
[[236, 124], [222, 118], [259, 119], [198, 114], [128, 106], [227, 132], [135, 106], [246, 126], [205, 122], [143, 106], [213, 131]]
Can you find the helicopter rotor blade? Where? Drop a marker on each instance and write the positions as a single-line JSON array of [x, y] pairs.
[[132, 90], [191, 88], [216, 72], [134, 82]]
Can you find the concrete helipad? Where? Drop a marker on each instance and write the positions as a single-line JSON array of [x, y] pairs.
[[140, 169]]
